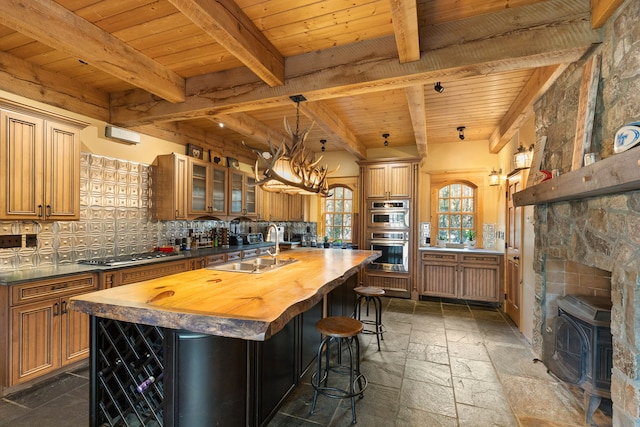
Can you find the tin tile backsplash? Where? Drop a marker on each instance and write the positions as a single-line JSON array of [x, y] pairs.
[[114, 220]]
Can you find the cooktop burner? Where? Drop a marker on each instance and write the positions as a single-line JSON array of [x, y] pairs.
[[142, 258]]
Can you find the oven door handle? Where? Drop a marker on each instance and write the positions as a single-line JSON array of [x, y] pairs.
[[388, 242]]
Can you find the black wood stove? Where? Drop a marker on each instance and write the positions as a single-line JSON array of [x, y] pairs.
[[583, 351]]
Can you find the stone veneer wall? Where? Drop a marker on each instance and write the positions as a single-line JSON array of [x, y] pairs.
[[601, 232]]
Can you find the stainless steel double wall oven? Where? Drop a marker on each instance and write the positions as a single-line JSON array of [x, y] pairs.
[[388, 231]]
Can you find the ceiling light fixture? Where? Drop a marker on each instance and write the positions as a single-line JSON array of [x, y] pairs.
[[522, 158], [494, 177], [323, 141], [220, 124], [291, 168], [461, 132], [385, 136], [438, 87]]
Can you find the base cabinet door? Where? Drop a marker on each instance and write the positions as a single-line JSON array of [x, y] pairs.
[[395, 285], [36, 334], [44, 334], [468, 276]]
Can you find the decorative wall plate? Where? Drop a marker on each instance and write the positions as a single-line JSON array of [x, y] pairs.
[[627, 136]]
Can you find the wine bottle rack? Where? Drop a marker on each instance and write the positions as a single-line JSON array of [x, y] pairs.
[[129, 374]]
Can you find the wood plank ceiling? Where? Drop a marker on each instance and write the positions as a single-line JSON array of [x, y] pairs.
[[178, 68]]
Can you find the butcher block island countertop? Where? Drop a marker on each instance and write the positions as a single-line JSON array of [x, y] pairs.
[[236, 305]]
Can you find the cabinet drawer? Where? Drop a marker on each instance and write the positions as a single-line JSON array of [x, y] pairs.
[[40, 290], [140, 274], [215, 259], [232, 256], [250, 253], [390, 283], [480, 259], [440, 257]]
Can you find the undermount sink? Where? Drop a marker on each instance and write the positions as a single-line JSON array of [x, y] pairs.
[[255, 265]]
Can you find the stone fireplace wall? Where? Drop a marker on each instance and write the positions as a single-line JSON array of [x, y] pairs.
[[598, 232]]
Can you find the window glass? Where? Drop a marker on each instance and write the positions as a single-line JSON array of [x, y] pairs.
[[338, 214], [456, 212]]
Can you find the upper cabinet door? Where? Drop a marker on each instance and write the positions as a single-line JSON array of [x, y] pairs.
[[242, 194], [219, 190], [62, 172], [199, 192], [21, 166], [389, 181], [41, 166]]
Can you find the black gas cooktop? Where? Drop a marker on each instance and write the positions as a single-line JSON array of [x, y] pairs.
[[132, 259]]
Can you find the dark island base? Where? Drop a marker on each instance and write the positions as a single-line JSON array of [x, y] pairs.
[[149, 376]]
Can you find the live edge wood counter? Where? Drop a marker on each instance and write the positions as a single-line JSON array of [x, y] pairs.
[[236, 305]]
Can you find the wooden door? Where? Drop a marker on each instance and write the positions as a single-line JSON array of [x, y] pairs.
[[513, 282], [236, 196], [35, 345], [74, 334], [250, 199], [219, 189], [180, 187], [439, 274], [199, 192], [376, 181], [278, 206], [296, 207], [399, 181], [62, 172], [21, 162]]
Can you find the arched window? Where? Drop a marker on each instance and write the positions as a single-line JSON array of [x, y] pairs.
[[456, 212], [338, 214]]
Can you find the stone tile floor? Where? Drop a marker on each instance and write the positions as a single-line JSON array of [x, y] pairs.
[[440, 364]]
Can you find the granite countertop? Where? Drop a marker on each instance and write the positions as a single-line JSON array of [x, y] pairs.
[[462, 250], [238, 305], [36, 273]]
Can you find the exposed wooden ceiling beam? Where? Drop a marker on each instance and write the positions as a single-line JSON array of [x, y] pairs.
[[344, 71], [248, 126], [522, 106], [418, 112], [601, 11], [330, 122], [67, 32], [404, 16], [230, 27], [23, 78]]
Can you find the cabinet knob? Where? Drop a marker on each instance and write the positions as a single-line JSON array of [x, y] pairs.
[[516, 258]]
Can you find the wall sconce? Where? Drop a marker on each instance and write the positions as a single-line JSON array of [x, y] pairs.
[[461, 132], [522, 158], [494, 177], [385, 136], [438, 87]]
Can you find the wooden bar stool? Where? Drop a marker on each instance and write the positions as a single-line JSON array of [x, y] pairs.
[[369, 294], [344, 331]]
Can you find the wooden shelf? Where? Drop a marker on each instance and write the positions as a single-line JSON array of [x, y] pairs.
[[615, 174]]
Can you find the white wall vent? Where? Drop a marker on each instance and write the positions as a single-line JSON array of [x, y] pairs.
[[123, 135]]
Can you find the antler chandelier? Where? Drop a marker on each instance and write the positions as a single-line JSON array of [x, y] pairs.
[[290, 168]]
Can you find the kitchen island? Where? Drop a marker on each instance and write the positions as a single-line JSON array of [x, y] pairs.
[[209, 347]]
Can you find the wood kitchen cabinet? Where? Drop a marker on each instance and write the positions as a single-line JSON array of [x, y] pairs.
[[44, 334], [169, 187], [282, 207], [389, 181], [242, 194], [40, 167], [184, 187], [394, 284], [469, 276]]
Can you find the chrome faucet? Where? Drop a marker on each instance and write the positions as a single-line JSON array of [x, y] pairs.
[[276, 254]]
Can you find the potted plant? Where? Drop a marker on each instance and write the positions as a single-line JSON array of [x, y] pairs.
[[471, 238], [326, 242], [441, 242]]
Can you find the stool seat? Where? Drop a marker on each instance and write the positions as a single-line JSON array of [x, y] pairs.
[[369, 291], [339, 326]]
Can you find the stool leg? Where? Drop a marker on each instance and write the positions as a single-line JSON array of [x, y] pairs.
[[352, 381], [319, 373], [380, 318]]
